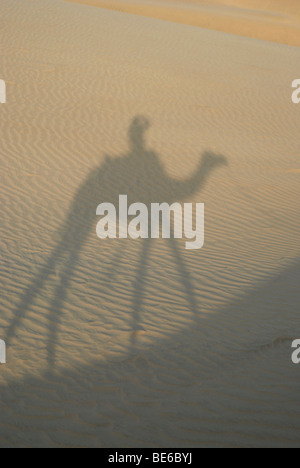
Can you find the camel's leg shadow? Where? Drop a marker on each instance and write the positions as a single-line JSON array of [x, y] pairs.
[[57, 304], [140, 284], [140, 288], [185, 277], [32, 291]]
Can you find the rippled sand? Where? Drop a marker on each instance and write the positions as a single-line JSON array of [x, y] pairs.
[[144, 344]]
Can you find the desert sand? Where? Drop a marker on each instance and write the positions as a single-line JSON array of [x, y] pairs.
[[131, 343]]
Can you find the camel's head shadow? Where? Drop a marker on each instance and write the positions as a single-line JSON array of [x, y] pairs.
[[211, 160]]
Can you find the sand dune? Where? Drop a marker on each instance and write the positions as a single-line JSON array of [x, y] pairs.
[[272, 20], [131, 343]]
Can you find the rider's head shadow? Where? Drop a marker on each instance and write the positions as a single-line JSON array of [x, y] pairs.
[[141, 175], [137, 134]]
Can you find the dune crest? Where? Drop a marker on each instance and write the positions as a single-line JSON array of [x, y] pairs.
[[276, 21]]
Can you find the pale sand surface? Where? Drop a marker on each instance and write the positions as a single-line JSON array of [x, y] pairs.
[[115, 343], [272, 20]]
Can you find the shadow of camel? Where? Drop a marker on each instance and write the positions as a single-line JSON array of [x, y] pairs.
[[141, 176]]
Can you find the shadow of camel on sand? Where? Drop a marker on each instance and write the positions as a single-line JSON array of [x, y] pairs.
[[142, 177]]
